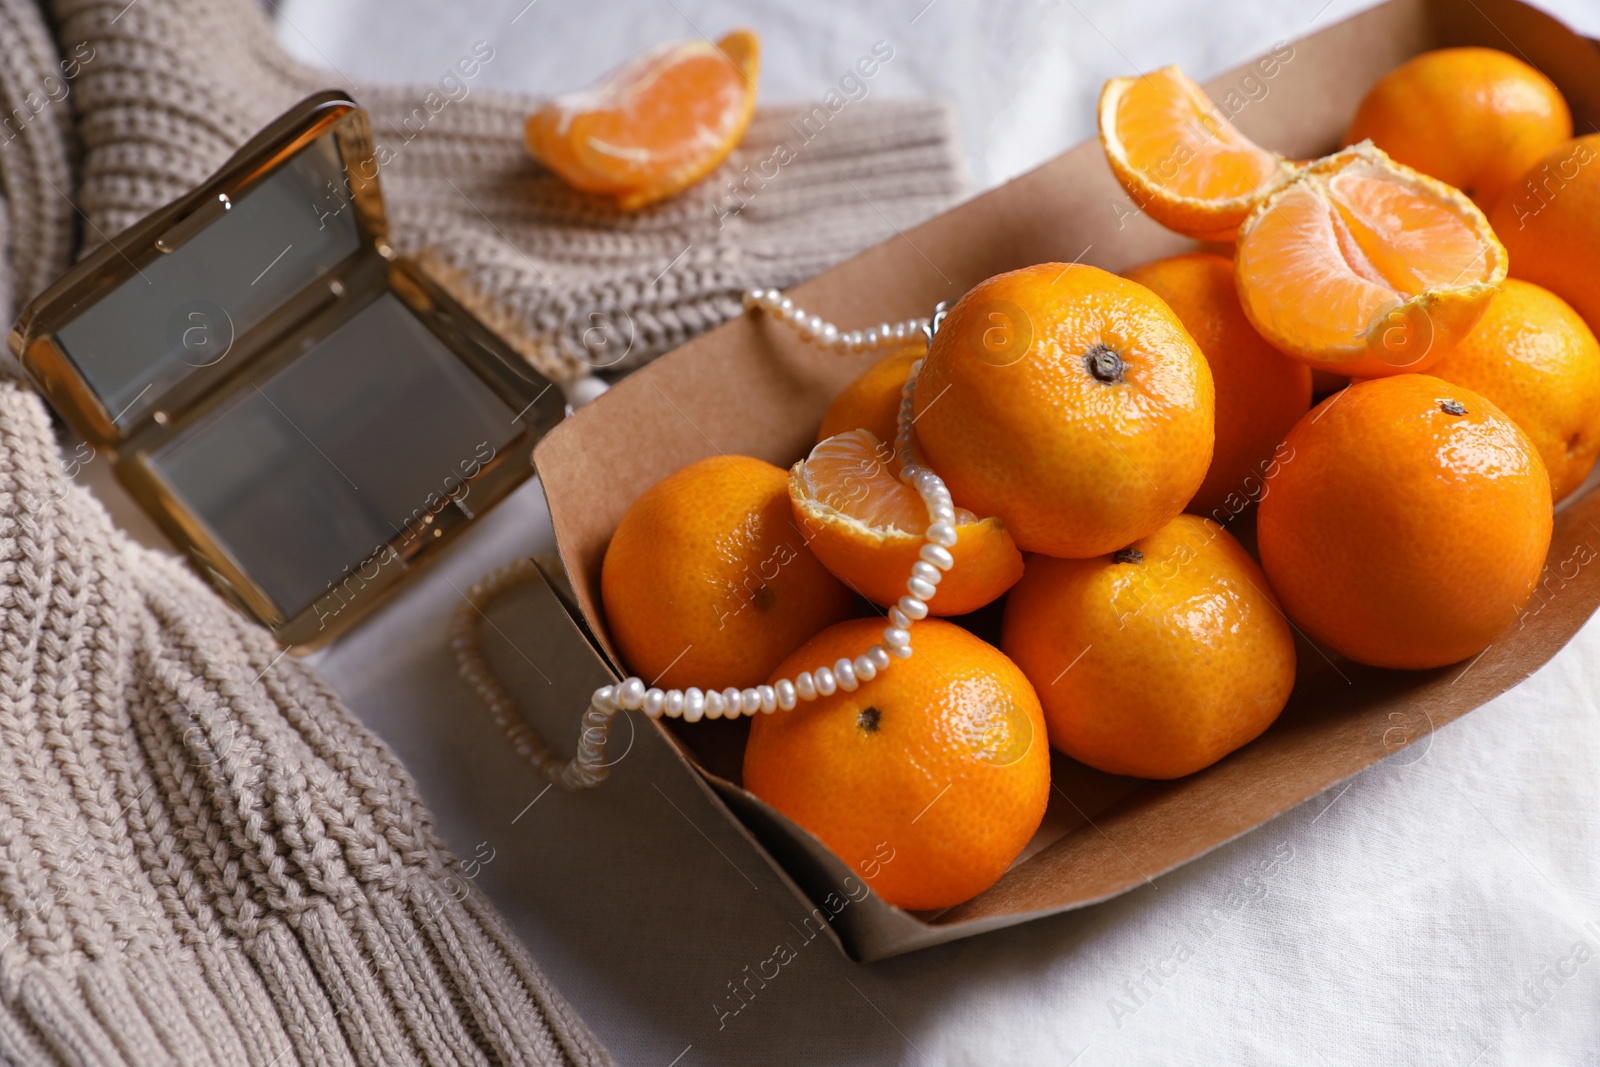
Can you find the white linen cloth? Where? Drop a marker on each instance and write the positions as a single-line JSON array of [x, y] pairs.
[[1441, 908]]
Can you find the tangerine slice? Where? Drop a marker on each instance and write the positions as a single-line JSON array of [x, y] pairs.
[[866, 527], [656, 125], [1364, 267], [1179, 157]]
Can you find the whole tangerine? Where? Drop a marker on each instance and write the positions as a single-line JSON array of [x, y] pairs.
[[1408, 524], [708, 583], [1474, 118], [1538, 362], [1550, 225], [1157, 660], [1261, 393], [872, 401], [927, 780], [1069, 402]]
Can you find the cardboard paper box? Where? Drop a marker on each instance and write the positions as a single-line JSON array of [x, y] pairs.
[[752, 387]]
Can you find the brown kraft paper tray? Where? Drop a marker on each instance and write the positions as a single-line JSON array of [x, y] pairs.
[[751, 387]]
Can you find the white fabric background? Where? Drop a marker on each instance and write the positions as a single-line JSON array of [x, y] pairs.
[[1443, 908]]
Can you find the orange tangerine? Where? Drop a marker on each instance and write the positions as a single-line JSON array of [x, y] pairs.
[[927, 780], [656, 125], [1180, 159], [866, 526], [872, 401], [707, 581], [1540, 364], [1261, 393], [1069, 402], [1411, 524], [1157, 660], [1475, 118], [1361, 266]]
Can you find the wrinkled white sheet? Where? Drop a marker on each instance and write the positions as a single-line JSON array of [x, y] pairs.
[[1443, 908]]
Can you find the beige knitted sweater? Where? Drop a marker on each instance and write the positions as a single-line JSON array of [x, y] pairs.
[[204, 857]]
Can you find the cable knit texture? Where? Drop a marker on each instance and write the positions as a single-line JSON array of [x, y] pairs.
[[204, 857], [574, 284]]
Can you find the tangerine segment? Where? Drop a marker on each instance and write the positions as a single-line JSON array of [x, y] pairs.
[[1179, 157], [866, 527], [927, 780], [706, 581], [1410, 525], [1361, 266], [655, 126]]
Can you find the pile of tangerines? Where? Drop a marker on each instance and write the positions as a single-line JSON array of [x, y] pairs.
[[1101, 436]]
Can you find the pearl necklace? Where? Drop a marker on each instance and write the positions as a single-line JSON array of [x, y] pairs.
[[588, 767]]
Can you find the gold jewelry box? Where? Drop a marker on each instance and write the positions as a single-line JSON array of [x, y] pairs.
[[302, 410]]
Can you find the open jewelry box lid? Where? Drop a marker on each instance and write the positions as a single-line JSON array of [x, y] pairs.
[[302, 410]]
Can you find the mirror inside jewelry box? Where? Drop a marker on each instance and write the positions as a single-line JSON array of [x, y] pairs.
[[304, 412]]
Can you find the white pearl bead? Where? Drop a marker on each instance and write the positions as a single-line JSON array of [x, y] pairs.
[[911, 472], [900, 651], [844, 672], [927, 572], [865, 669], [785, 693], [869, 339], [715, 705], [828, 334], [944, 516], [752, 298], [825, 681], [814, 326], [885, 334], [691, 713], [898, 619], [879, 657], [752, 701], [785, 305], [899, 331], [895, 637], [939, 557], [941, 533], [920, 589], [769, 699], [912, 608], [694, 705], [857, 339], [916, 368], [770, 300], [653, 699], [673, 705], [732, 703], [804, 687], [630, 694], [605, 697]]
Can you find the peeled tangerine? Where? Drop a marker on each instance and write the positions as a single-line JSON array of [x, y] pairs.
[[1363, 267], [866, 527], [927, 780], [1069, 402], [1411, 525], [1157, 660], [655, 126]]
